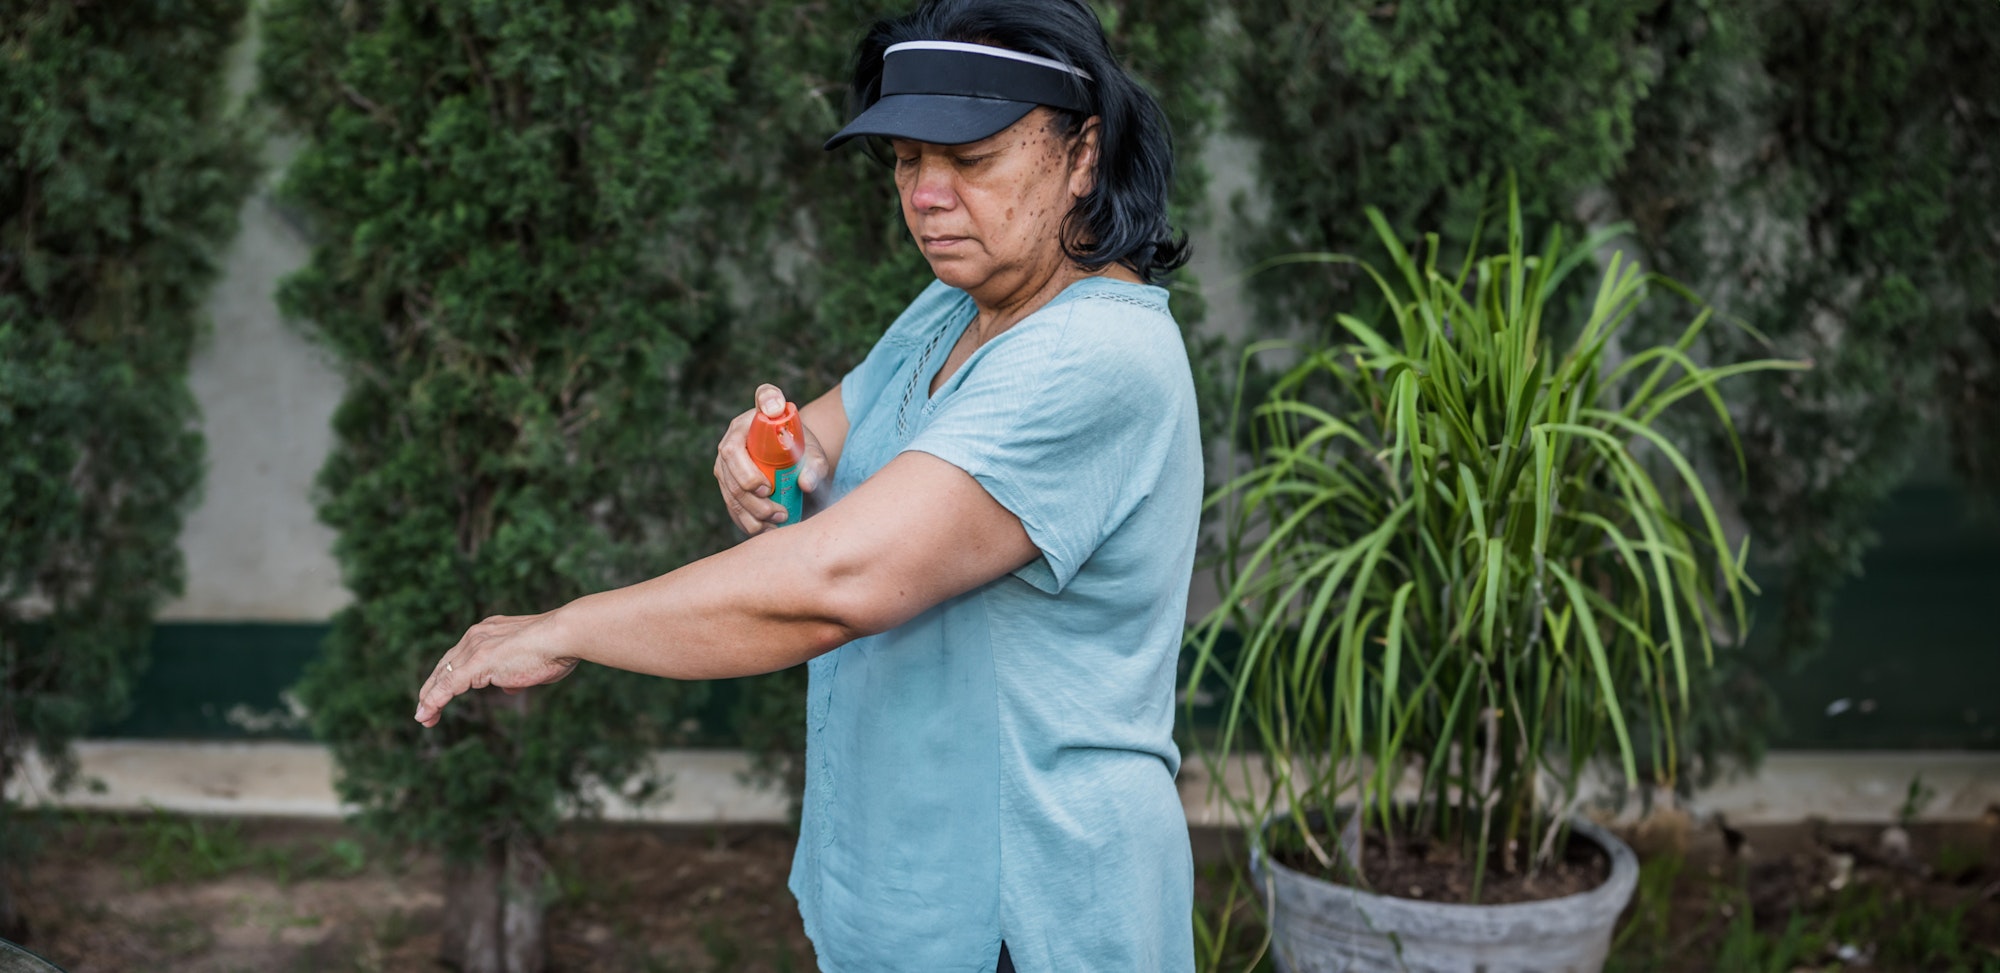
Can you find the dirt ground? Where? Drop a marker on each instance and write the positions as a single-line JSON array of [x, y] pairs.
[[115, 894], [120, 895]]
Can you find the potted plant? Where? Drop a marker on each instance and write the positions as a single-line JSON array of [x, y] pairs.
[[1466, 568]]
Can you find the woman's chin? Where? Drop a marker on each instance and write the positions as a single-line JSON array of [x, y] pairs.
[[954, 271]]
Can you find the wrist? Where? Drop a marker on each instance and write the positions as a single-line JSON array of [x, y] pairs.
[[568, 630]]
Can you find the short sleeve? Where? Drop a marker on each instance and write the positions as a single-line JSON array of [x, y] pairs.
[[863, 383], [1066, 421]]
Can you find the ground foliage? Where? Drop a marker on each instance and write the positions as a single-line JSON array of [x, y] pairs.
[[557, 246], [124, 167]]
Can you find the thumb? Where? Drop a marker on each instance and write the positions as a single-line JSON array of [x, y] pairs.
[[770, 400]]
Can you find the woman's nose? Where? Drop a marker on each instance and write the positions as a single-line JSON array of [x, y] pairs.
[[932, 186]]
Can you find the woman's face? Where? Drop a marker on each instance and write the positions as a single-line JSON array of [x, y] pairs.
[[988, 215]]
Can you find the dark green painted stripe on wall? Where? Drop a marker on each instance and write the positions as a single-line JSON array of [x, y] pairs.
[[211, 681], [1914, 662]]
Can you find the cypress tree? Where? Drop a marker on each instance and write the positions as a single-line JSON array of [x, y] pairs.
[[124, 168], [505, 199]]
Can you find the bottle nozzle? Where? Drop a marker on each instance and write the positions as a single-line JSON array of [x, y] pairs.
[[776, 441]]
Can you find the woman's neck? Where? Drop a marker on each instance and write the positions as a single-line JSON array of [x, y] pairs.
[[996, 317]]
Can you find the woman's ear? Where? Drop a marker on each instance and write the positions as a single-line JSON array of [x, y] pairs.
[[1083, 158]]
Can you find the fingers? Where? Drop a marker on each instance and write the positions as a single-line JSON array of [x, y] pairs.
[[747, 509], [745, 491], [441, 688], [745, 521], [460, 670], [451, 678], [771, 399], [812, 469], [433, 694], [734, 467], [812, 472]]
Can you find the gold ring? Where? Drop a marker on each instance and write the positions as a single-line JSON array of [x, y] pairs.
[[447, 667]]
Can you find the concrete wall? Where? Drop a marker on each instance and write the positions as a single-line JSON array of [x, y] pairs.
[[254, 548]]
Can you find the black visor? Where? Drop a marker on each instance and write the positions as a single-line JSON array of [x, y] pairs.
[[949, 93]]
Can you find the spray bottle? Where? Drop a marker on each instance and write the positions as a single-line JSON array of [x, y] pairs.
[[777, 445]]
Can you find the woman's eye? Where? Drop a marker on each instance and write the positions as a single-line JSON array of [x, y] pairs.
[[903, 163], [968, 161]]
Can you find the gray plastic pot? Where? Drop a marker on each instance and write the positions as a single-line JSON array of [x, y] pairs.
[[1321, 927]]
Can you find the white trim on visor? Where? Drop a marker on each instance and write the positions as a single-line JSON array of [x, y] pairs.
[[964, 48]]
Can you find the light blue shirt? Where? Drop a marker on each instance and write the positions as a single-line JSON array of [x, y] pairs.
[[1003, 764]]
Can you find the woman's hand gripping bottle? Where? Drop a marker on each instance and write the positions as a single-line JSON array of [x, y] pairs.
[[777, 444]]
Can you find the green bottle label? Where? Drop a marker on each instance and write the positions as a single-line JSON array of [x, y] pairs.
[[785, 493]]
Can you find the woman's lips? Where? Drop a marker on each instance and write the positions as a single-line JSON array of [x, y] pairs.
[[944, 242]]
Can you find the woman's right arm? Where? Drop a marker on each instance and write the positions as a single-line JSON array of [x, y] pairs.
[[745, 493]]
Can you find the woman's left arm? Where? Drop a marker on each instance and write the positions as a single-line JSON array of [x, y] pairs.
[[916, 533]]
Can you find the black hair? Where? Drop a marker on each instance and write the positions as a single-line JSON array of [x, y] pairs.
[[1123, 219]]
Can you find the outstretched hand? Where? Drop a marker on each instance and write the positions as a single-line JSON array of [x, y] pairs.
[[512, 652], [745, 492]]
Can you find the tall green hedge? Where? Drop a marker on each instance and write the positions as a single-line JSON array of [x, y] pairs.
[[1831, 177], [558, 244], [508, 267], [1420, 109], [124, 167]]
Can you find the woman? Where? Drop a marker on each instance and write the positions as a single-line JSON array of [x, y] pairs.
[[991, 593]]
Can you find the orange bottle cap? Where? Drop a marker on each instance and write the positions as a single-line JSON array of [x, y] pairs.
[[776, 442]]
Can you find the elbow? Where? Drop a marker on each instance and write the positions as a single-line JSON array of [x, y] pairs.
[[847, 610], [845, 604], [828, 635], [847, 586]]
